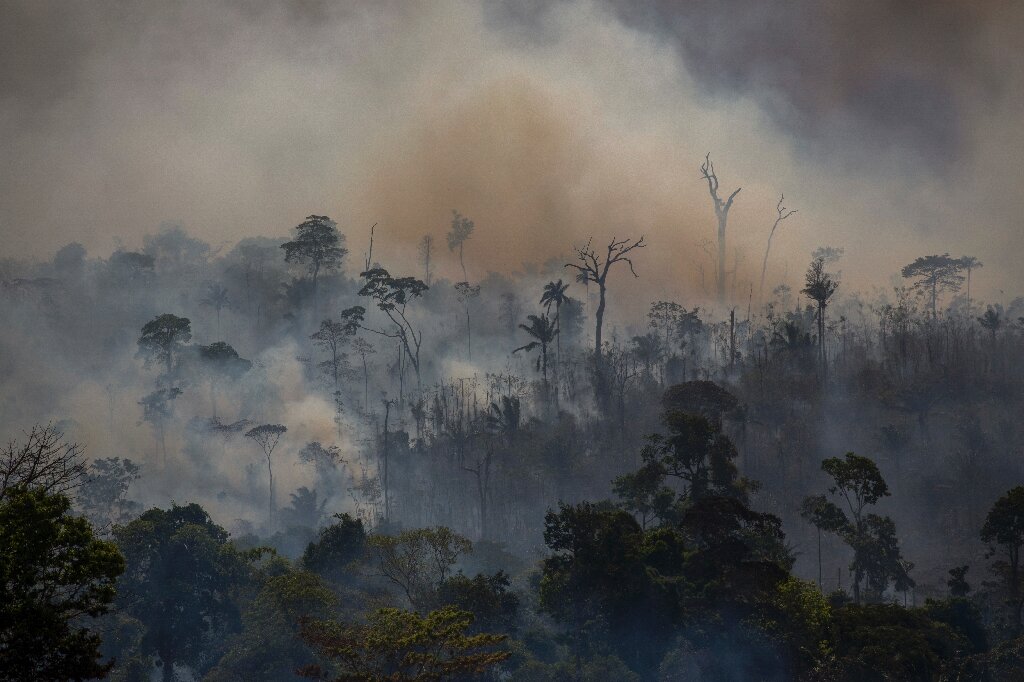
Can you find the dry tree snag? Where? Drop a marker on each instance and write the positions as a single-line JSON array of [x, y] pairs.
[[707, 170], [783, 213]]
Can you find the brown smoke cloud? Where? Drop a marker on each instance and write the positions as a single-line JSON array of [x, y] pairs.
[[545, 128]]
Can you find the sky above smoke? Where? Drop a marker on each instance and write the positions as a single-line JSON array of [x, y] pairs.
[[892, 126]]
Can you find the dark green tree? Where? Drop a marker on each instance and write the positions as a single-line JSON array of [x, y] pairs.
[[55, 576], [1003, 532], [318, 245], [162, 339], [182, 582]]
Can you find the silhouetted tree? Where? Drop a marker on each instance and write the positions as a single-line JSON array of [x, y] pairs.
[[595, 268], [934, 274], [462, 228], [318, 245], [392, 296], [1003, 532], [819, 286], [216, 297], [543, 332], [707, 170], [466, 292], [267, 437], [782, 213], [162, 339]]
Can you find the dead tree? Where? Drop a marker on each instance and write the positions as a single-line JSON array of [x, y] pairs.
[[595, 268], [783, 213], [707, 170]]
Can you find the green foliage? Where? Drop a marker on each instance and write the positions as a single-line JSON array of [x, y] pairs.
[[269, 646], [887, 642], [54, 573], [402, 646], [487, 597], [182, 582], [418, 561], [339, 546], [1004, 533]]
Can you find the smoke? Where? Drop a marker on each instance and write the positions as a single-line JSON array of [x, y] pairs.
[[887, 127]]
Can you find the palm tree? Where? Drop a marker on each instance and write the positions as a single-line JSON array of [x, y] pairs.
[[554, 295], [541, 329], [216, 297]]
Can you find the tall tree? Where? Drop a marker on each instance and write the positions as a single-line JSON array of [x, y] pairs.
[[462, 228], [267, 437], [593, 267], [364, 348], [554, 295], [857, 481], [216, 297], [819, 286], [466, 292], [1004, 533], [221, 362], [181, 582], [707, 170], [331, 338], [392, 296], [970, 264], [543, 331], [935, 274], [157, 408], [318, 245], [426, 249], [162, 339], [781, 214], [55, 576]]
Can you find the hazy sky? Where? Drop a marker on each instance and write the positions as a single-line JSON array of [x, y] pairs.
[[893, 126]]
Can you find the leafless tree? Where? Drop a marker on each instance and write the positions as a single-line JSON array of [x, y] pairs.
[[594, 268], [707, 170], [782, 214], [44, 461]]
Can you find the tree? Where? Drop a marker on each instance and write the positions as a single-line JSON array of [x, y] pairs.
[[402, 646], [267, 437], [462, 228], [54, 573], [364, 348], [957, 583], [819, 286], [331, 338], [162, 339], [269, 646], [418, 561], [216, 297], [992, 320], [595, 268], [338, 547], [45, 461], [934, 274], [707, 170], [157, 408], [102, 498], [181, 583], [222, 362], [509, 310], [318, 245], [1003, 532], [782, 213], [970, 264], [554, 295], [426, 247], [466, 292], [877, 560], [392, 295], [543, 332]]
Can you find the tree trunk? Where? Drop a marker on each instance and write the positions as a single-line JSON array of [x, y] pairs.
[[720, 275], [270, 515]]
